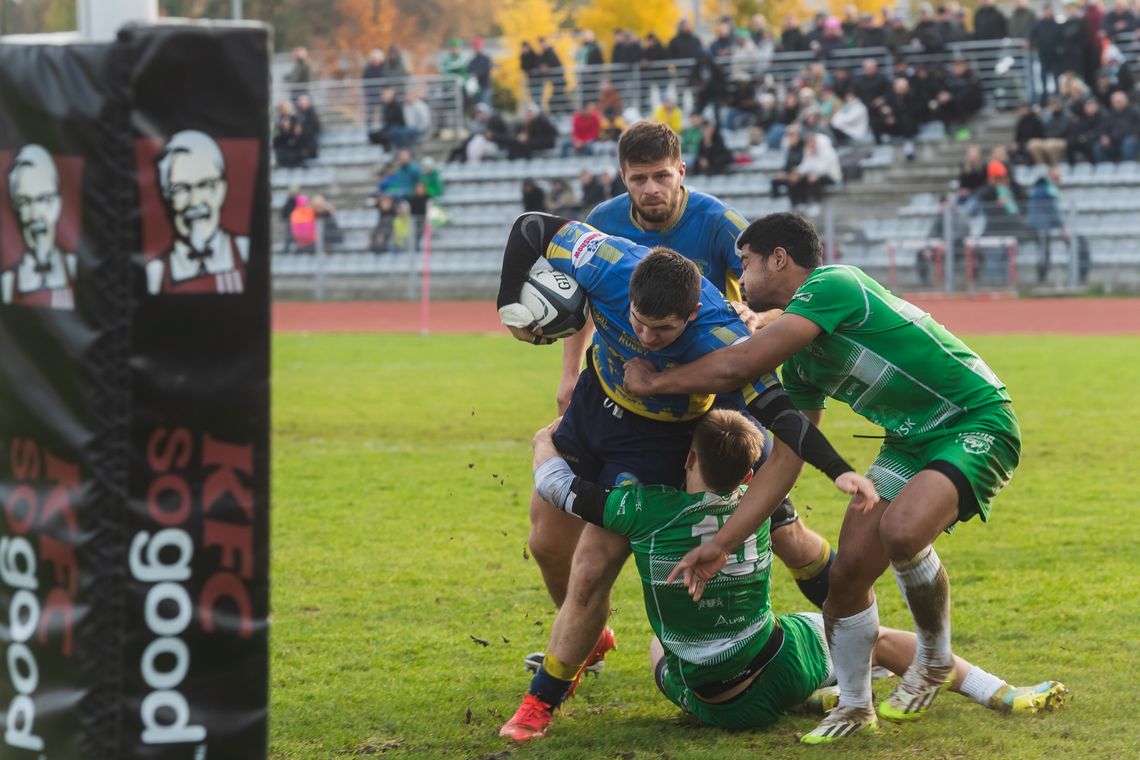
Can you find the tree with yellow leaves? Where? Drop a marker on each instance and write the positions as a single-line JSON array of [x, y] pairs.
[[527, 20], [602, 17]]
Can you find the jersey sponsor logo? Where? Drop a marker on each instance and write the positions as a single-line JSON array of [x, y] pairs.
[[805, 297], [626, 479], [722, 620], [707, 604], [586, 247], [976, 443]]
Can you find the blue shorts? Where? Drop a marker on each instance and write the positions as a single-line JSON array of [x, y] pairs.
[[612, 446]]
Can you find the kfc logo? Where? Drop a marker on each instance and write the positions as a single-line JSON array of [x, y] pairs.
[[44, 273], [204, 244]]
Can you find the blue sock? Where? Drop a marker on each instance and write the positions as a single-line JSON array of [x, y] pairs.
[[549, 689]]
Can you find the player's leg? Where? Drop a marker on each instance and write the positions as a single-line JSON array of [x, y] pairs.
[[895, 649], [553, 533], [851, 619], [807, 555], [575, 633], [553, 539], [925, 506]]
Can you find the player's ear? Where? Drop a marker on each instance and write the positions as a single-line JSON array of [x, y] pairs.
[[693, 316], [747, 478], [690, 460], [779, 257], [681, 169]]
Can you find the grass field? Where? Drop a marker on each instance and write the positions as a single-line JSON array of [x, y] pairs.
[[400, 486]]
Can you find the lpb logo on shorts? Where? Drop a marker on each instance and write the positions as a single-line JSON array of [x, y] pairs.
[[976, 443]]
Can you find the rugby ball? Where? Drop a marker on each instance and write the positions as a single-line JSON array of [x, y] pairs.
[[556, 302]]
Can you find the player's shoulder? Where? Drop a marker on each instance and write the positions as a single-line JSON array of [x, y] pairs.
[[612, 212], [715, 211]]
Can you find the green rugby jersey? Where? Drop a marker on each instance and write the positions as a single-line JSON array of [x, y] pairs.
[[717, 637], [885, 357]]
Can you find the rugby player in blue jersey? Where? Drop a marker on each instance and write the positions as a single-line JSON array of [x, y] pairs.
[[651, 304], [659, 210]]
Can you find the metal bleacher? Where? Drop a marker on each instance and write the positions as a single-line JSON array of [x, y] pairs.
[[481, 200]]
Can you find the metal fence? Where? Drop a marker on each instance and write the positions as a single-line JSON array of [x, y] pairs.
[[343, 102], [1004, 67]]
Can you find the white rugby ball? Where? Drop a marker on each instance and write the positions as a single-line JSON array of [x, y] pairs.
[[555, 301]]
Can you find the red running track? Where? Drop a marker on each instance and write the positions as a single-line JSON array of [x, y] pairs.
[[1057, 316]]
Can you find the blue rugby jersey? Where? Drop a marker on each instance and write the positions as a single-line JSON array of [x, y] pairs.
[[603, 264], [705, 233]]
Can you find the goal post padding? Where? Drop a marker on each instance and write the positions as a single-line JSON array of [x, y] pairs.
[[134, 394]]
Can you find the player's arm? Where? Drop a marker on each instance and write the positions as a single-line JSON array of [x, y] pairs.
[[728, 368], [527, 243], [765, 492], [557, 483]]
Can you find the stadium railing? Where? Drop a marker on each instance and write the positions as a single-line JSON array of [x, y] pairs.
[[341, 102], [1005, 68]]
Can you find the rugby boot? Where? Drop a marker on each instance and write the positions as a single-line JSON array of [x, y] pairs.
[[842, 722], [916, 692], [1045, 696], [530, 721]]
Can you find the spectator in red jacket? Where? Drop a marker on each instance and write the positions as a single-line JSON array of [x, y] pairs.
[[585, 128]]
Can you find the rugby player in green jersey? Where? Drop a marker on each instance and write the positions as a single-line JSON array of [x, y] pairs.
[[952, 442], [726, 659]]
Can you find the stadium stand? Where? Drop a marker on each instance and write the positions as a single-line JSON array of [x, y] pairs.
[[882, 218]]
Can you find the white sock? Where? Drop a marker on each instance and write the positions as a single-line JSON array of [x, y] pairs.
[[980, 686], [924, 581], [852, 639]]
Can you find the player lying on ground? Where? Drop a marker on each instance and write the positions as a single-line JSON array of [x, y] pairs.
[[658, 210], [652, 304], [726, 659], [952, 442]]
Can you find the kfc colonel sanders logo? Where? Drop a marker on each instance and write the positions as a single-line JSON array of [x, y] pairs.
[[196, 195], [38, 270]]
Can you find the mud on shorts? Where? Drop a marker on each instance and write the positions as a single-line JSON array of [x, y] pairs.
[[978, 453], [801, 666]]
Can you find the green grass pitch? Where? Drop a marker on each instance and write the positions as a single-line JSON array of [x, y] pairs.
[[404, 599]]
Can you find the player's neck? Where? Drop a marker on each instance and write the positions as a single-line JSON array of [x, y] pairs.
[[694, 484]]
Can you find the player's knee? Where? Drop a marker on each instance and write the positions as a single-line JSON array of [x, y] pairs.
[[901, 539], [547, 548], [847, 578]]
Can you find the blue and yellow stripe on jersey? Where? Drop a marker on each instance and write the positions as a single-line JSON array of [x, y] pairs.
[[603, 265], [705, 232]]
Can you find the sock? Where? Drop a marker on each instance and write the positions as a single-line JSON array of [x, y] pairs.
[[981, 686], [851, 640], [926, 588], [548, 688], [812, 578]]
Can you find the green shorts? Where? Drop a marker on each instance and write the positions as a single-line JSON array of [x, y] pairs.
[[984, 446], [800, 667]]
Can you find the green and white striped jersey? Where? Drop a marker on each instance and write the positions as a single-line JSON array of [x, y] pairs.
[[717, 637], [886, 358]]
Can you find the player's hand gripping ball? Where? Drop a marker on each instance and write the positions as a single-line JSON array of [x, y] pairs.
[[550, 302], [557, 303]]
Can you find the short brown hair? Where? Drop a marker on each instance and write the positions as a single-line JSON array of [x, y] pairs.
[[727, 447], [665, 284], [647, 142]]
